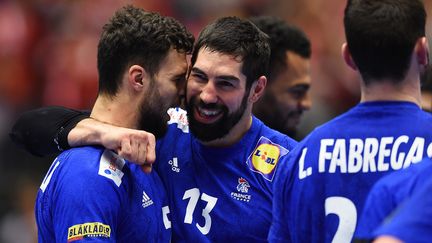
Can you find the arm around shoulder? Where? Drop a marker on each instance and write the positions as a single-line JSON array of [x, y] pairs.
[[134, 145]]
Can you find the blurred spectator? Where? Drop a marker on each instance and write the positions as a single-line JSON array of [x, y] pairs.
[[426, 89], [18, 32], [19, 225]]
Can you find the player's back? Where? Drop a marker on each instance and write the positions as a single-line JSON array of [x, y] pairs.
[[320, 198], [90, 193]]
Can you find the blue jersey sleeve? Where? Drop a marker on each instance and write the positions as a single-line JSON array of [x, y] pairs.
[[89, 211], [279, 230], [83, 202]]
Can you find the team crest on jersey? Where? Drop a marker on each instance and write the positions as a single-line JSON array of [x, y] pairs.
[[243, 185], [111, 166], [179, 116], [88, 230], [242, 190], [265, 157]]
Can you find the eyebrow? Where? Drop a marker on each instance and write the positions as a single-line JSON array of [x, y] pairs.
[[198, 71], [220, 77], [180, 75]]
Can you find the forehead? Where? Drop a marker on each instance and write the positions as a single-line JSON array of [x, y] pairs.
[[215, 63], [296, 71], [297, 62], [174, 63]]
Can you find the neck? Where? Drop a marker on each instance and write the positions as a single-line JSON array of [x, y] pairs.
[[406, 90], [387, 91], [115, 110], [236, 133]]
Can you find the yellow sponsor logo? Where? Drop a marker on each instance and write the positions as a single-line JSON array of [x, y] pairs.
[[93, 229], [265, 157]]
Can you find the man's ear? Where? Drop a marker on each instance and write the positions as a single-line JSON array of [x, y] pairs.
[[421, 50], [257, 89], [137, 78], [346, 54]]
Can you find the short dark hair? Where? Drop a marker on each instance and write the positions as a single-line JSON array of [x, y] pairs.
[[283, 38], [239, 38], [135, 36], [381, 35]]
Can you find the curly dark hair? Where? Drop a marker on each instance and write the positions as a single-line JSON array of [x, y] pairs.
[[239, 38], [283, 38], [135, 36]]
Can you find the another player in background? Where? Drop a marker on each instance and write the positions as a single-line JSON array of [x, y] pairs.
[[287, 93], [219, 176], [92, 194], [412, 221], [320, 192], [389, 193]]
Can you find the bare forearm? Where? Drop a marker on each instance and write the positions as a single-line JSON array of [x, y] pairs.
[[133, 145], [87, 132]]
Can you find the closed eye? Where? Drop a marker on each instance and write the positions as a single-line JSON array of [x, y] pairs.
[[299, 90], [180, 79], [226, 84], [198, 75]]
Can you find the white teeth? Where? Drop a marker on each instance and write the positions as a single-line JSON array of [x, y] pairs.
[[208, 112]]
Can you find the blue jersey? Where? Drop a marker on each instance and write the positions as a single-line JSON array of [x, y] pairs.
[[91, 194], [388, 193], [412, 222], [319, 195], [220, 194]]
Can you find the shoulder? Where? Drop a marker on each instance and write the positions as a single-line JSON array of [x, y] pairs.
[[274, 136], [79, 160], [403, 183], [91, 167]]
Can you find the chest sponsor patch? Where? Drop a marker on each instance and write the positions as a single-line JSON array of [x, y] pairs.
[[265, 157], [111, 166], [88, 230]]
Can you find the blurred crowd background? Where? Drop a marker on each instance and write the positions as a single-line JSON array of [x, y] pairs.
[[48, 57]]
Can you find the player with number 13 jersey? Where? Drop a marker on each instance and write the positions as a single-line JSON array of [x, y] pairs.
[[220, 194]]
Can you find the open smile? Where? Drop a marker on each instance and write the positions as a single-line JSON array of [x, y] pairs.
[[207, 116]]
